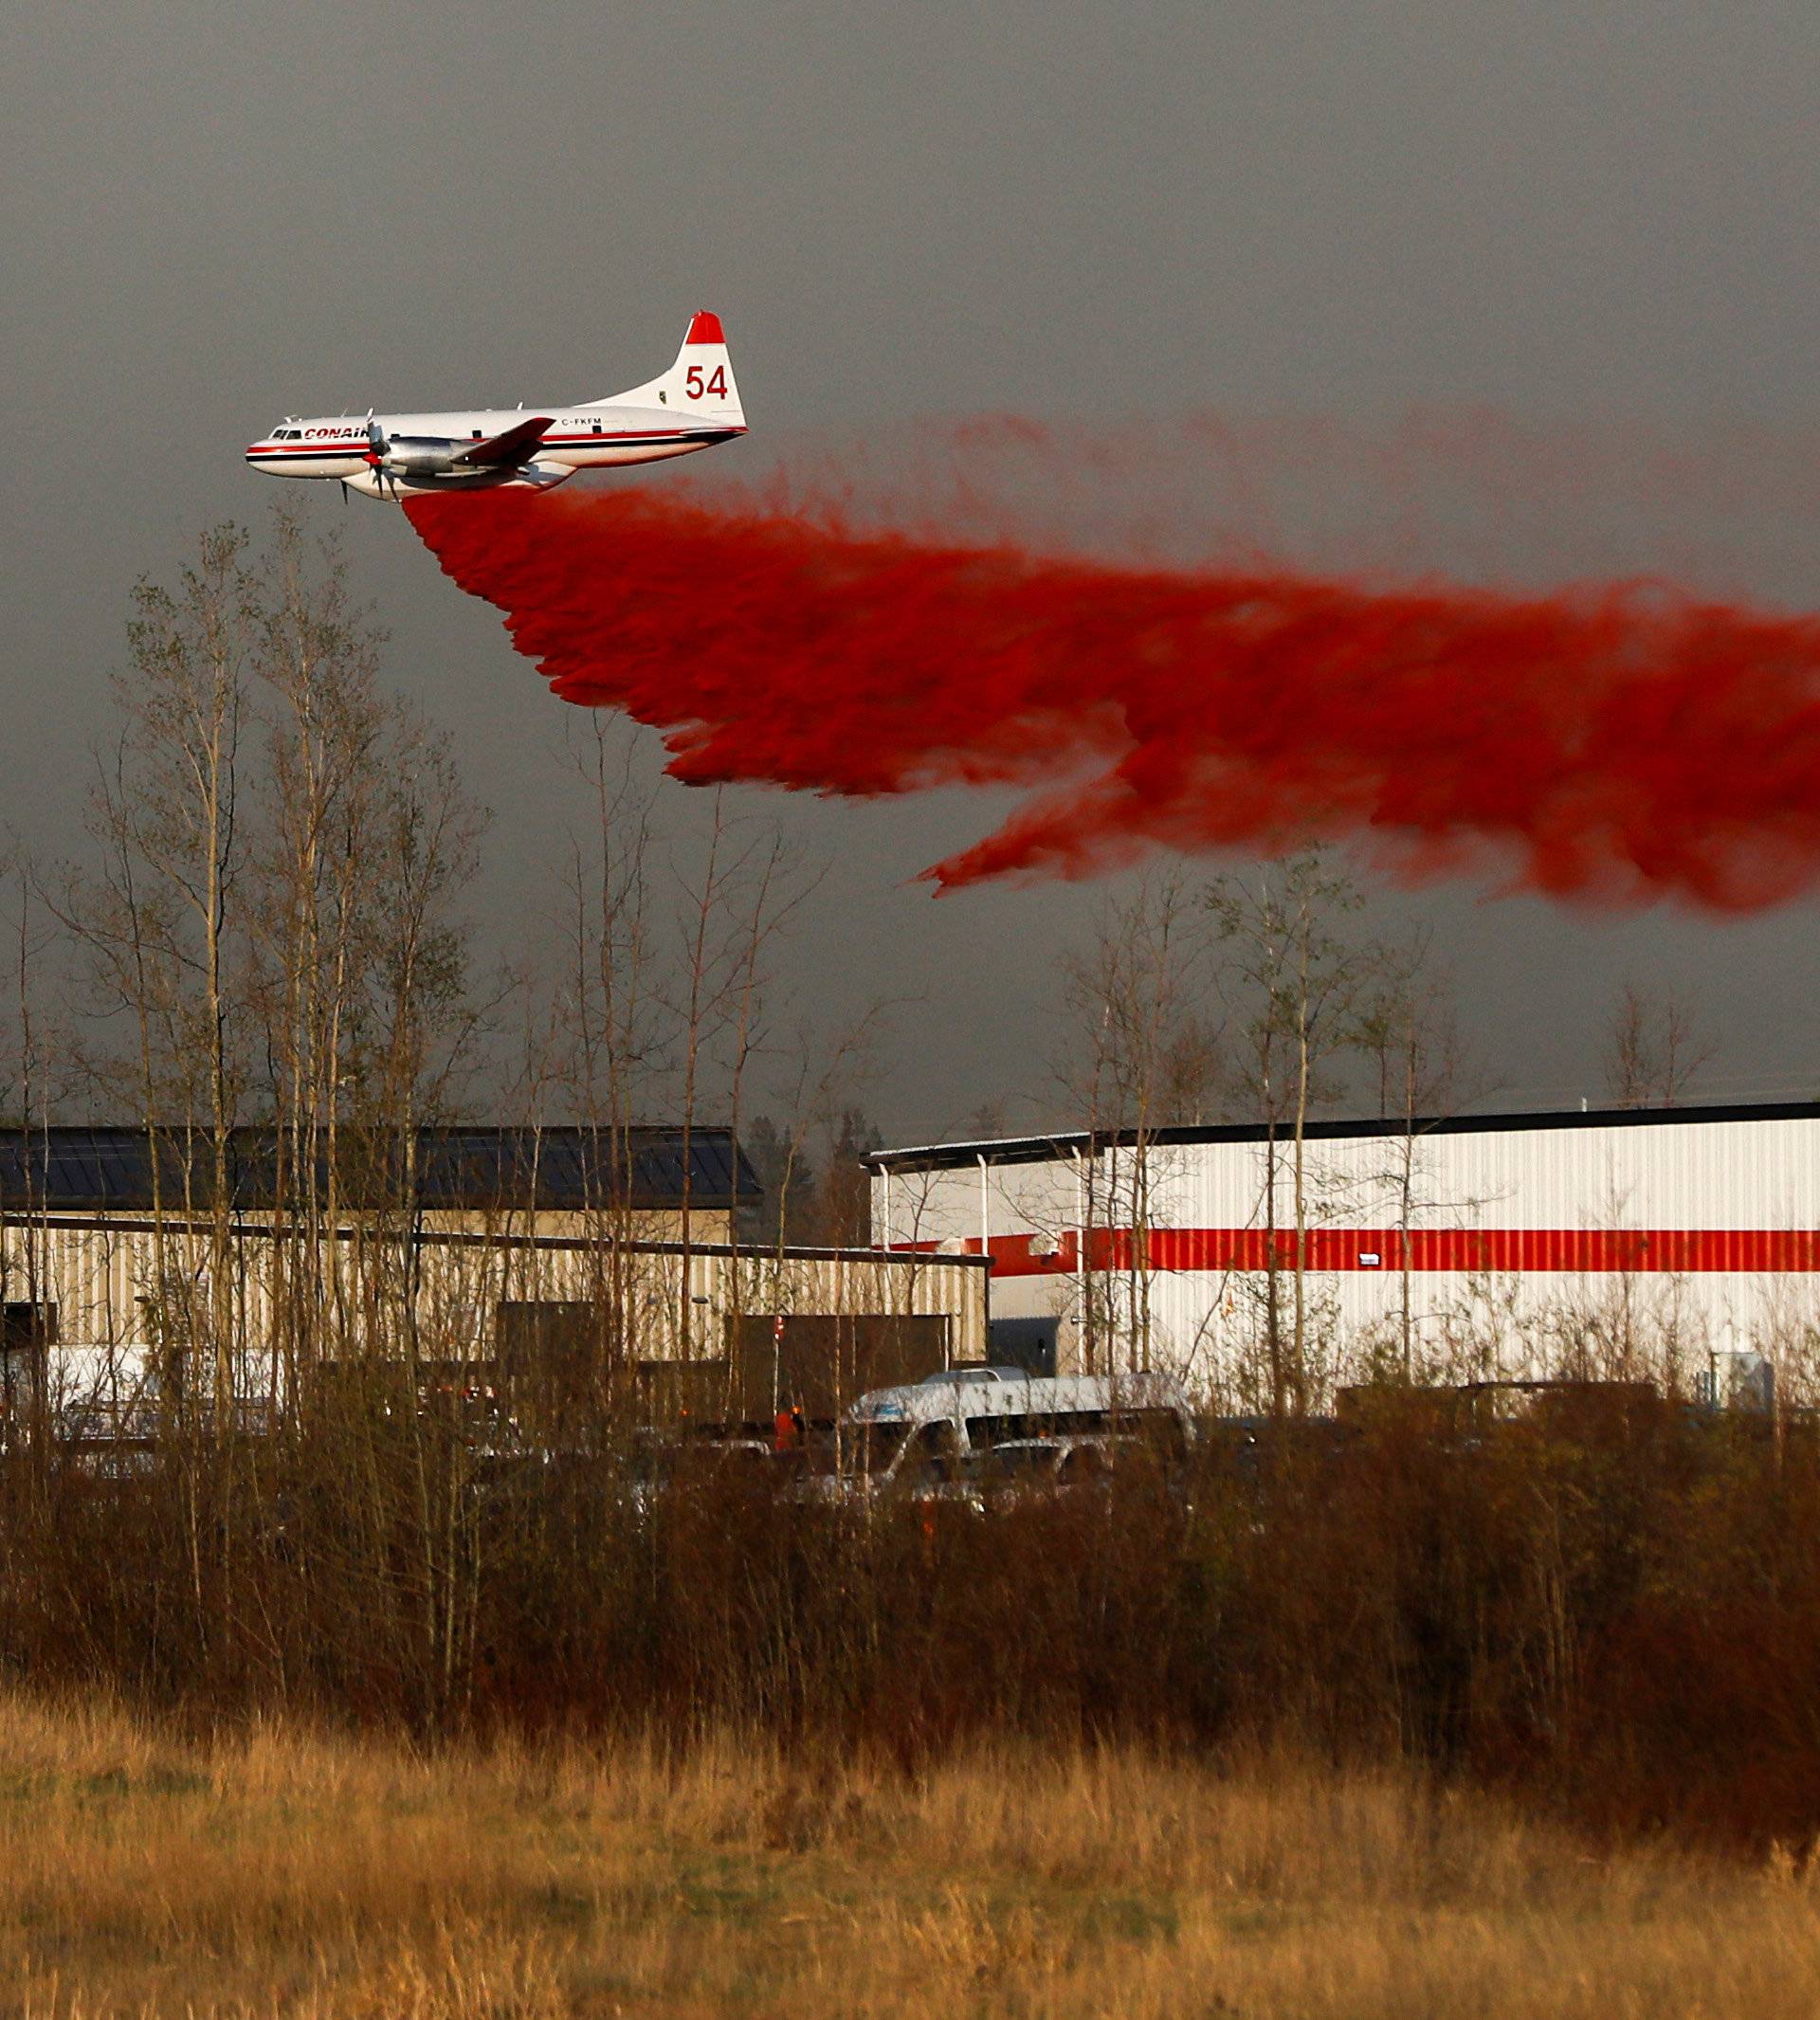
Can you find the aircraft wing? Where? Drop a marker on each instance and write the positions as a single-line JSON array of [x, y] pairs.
[[507, 451]]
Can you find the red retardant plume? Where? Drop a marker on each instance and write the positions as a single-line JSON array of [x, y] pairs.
[[1624, 743]]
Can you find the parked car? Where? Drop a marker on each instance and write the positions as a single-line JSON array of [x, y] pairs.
[[922, 1437], [1071, 1465]]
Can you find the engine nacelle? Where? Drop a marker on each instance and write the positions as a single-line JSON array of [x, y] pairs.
[[421, 455]]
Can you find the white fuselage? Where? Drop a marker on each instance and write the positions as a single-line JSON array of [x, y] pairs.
[[587, 438]]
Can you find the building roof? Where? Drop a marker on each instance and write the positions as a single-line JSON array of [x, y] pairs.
[[101, 1169], [1064, 1143]]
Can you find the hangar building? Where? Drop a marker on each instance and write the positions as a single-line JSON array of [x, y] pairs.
[[1666, 1242], [514, 1258]]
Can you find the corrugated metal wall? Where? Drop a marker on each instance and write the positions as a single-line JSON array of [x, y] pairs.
[[110, 1283], [1524, 1244]]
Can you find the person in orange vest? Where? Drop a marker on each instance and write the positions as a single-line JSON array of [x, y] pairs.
[[783, 1425], [788, 1428]]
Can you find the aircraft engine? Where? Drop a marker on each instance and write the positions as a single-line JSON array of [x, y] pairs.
[[413, 456], [420, 455]]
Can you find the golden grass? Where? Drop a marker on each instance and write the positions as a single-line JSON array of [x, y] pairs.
[[284, 1873]]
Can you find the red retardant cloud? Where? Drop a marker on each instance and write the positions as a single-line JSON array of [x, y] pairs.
[[1624, 743]]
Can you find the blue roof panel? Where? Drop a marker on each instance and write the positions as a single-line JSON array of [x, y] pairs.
[[500, 1169]]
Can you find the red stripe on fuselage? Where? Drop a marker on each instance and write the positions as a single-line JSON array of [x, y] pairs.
[[352, 446]]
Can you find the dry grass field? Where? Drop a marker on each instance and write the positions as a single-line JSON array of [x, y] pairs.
[[278, 1872]]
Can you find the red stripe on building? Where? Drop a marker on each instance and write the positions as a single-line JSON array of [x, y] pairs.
[[1671, 1251]]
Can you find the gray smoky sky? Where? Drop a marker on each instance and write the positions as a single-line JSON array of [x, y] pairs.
[[1585, 217]]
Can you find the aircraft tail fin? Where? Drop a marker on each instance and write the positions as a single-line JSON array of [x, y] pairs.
[[699, 383]]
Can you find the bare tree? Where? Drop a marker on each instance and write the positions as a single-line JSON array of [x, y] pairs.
[[1408, 1034], [666, 993], [1655, 1048], [826, 1075], [269, 926], [1140, 1052], [163, 922], [1295, 981], [603, 1020], [163, 919], [749, 884], [841, 1207], [367, 847], [33, 1083], [318, 922]]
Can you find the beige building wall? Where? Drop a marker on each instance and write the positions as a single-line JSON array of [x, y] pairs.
[[122, 1287]]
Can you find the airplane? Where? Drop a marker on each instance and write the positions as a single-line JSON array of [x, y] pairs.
[[693, 405]]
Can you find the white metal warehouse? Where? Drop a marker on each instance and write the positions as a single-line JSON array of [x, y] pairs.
[[1633, 1241]]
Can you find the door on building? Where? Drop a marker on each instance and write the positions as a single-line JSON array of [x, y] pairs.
[[28, 1332], [822, 1360]]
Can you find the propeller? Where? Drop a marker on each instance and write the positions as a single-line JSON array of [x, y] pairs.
[[376, 449]]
